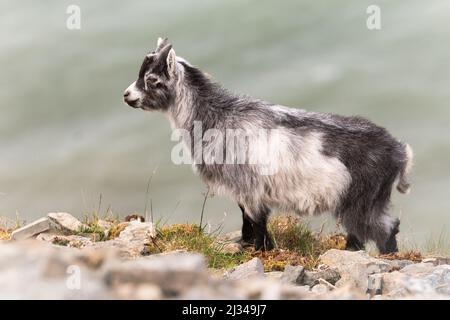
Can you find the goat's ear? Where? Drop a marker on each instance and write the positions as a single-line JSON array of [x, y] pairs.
[[171, 62], [168, 59], [162, 42]]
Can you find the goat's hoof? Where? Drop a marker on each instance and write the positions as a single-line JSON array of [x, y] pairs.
[[245, 243], [264, 245]]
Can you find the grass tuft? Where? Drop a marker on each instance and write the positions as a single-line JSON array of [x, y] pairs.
[[191, 237]]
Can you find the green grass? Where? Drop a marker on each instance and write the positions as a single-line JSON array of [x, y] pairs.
[[191, 237]]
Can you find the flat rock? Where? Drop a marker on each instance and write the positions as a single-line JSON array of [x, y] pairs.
[[137, 231], [31, 229], [354, 266], [64, 222], [252, 268]]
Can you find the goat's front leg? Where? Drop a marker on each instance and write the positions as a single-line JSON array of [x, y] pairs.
[[262, 238], [248, 236]]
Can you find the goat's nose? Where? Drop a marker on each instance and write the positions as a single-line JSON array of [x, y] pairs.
[[126, 93]]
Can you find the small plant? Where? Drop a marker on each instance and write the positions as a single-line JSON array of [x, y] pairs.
[[61, 241], [7, 226]]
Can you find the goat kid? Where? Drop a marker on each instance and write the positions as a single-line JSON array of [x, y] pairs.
[[325, 163]]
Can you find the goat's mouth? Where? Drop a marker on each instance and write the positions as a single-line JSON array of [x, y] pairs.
[[132, 103]]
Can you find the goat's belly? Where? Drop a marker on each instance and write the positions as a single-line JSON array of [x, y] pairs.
[[309, 187]]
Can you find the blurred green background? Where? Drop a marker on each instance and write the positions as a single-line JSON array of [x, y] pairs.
[[66, 137]]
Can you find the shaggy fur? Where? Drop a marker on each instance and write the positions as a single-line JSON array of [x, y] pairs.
[[324, 163]]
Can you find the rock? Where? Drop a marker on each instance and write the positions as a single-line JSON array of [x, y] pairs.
[[397, 264], [252, 268], [421, 278], [320, 288], [354, 266], [64, 222], [132, 240], [293, 274], [138, 232], [437, 260], [346, 292], [31, 229], [274, 274], [269, 289], [36, 270], [296, 292], [232, 248], [172, 273], [139, 292], [375, 284], [311, 278], [68, 241]]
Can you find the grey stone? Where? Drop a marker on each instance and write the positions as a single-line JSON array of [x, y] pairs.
[[311, 278], [64, 222], [320, 288], [137, 231], [293, 274], [421, 278], [375, 284], [172, 273], [274, 274], [36, 270], [31, 229], [74, 241], [397, 264], [252, 268], [354, 266], [439, 260]]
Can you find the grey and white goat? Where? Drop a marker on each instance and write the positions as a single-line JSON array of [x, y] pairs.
[[326, 163]]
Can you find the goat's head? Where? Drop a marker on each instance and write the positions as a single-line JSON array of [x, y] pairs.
[[154, 88]]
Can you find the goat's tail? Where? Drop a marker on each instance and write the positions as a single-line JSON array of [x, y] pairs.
[[403, 185]]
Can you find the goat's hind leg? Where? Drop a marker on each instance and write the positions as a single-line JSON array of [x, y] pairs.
[[353, 243], [384, 234]]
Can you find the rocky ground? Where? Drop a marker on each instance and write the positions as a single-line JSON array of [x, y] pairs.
[[59, 257]]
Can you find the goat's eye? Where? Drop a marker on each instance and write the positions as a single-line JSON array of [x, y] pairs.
[[152, 81]]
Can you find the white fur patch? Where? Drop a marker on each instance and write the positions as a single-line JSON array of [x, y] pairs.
[[309, 182]]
